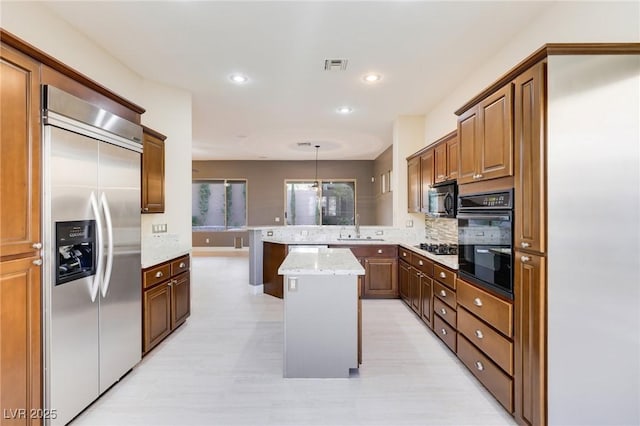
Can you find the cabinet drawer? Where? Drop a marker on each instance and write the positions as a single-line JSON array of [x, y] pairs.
[[499, 384], [496, 312], [422, 264], [445, 332], [404, 254], [180, 265], [363, 251], [445, 294], [445, 276], [446, 312], [492, 343], [156, 275]]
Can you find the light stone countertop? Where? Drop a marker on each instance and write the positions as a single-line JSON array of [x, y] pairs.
[[332, 261], [450, 261]]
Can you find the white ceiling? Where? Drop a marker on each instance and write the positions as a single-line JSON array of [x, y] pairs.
[[422, 49]]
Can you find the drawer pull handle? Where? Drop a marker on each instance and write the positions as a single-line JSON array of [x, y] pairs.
[[443, 293], [159, 274], [477, 302], [443, 331], [420, 262], [479, 334], [37, 262], [443, 275], [443, 311], [182, 265], [525, 259], [524, 245], [404, 254], [37, 246], [379, 251], [479, 366]]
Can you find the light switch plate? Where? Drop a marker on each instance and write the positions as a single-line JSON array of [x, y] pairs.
[[293, 284], [157, 228], [269, 233]]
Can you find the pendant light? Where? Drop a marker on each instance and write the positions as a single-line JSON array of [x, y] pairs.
[[316, 184]]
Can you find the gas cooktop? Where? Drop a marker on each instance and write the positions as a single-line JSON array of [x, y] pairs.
[[450, 249]]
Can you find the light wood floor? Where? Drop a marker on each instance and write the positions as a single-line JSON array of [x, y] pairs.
[[224, 367]]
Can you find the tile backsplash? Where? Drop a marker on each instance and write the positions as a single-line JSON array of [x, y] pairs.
[[441, 230]]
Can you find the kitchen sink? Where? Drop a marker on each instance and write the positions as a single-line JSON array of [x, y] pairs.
[[360, 239]]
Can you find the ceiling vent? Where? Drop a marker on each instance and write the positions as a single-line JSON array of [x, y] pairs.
[[335, 64], [304, 143]]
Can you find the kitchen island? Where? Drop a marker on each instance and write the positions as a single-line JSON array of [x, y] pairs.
[[321, 313]]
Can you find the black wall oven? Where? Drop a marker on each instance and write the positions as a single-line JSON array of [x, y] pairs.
[[485, 240]]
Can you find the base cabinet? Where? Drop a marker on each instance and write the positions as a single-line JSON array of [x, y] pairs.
[[381, 278], [166, 300]]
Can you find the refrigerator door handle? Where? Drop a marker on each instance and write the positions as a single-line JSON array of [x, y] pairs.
[[107, 272], [96, 280]]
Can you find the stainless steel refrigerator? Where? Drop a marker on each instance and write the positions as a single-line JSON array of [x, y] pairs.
[[92, 286]]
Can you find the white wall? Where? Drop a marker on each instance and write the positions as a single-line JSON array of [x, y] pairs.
[[408, 133], [565, 22], [594, 240], [168, 110]]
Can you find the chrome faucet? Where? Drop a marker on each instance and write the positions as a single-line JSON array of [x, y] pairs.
[[357, 223]]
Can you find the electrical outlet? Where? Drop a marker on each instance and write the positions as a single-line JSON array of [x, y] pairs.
[[409, 223], [277, 219], [269, 233], [379, 232]]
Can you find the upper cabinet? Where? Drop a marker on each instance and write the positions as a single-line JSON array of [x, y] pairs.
[[530, 159], [426, 178], [486, 138], [153, 171], [413, 180], [446, 158]]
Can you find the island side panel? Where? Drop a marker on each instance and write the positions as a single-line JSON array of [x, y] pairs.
[[321, 326]]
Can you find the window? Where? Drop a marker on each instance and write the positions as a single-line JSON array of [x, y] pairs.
[[219, 204], [328, 203]]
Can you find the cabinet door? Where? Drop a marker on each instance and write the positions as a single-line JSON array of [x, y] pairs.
[[426, 179], [20, 337], [530, 352], [381, 278], [530, 148], [273, 255], [495, 153], [440, 163], [180, 299], [403, 281], [467, 141], [152, 174], [157, 315], [453, 149], [19, 154], [414, 290], [426, 300], [413, 183]]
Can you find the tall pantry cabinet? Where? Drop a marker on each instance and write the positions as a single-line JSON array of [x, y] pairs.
[[530, 281], [20, 238]]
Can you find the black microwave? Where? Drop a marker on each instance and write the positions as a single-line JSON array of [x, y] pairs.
[[443, 199]]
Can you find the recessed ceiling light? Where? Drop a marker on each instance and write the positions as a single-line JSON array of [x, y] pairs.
[[345, 110], [372, 77], [238, 78]]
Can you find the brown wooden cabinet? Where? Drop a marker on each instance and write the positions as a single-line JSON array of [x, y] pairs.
[[486, 138], [415, 289], [166, 300], [381, 278], [426, 300], [530, 381], [446, 158], [413, 183], [20, 234], [426, 178], [530, 154], [152, 171], [273, 255], [403, 280]]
